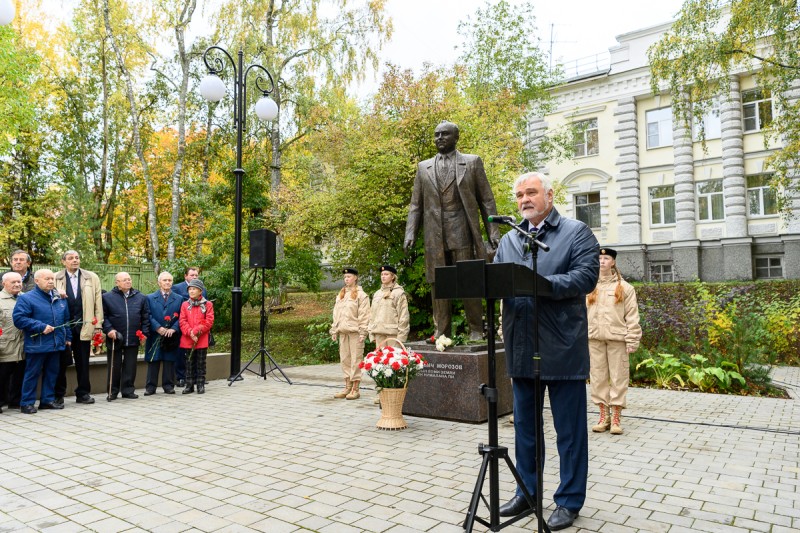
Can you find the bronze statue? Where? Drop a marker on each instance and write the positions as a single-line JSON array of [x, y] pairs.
[[450, 192]]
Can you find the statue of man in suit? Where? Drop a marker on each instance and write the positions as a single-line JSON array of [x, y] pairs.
[[451, 195]]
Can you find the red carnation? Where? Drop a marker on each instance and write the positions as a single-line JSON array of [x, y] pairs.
[[140, 335], [175, 315], [97, 340], [94, 321], [395, 365], [1, 331], [405, 361], [167, 318], [361, 365]]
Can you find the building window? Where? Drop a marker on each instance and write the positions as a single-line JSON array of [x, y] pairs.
[[762, 200], [587, 209], [710, 125], [659, 127], [710, 200], [756, 109], [662, 205], [769, 267], [661, 272], [586, 138]]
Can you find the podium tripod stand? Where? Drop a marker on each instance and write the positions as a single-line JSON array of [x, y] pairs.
[[476, 279]]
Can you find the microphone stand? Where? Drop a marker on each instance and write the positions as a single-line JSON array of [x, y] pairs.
[[534, 244]]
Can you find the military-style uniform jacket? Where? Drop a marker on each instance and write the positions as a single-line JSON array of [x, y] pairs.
[[91, 300], [351, 315], [610, 320], [389, 313], [12, 339]]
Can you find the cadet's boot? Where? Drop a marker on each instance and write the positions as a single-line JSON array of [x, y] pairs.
[[616, 413], [354, 394], [605, 420], [344, 392]]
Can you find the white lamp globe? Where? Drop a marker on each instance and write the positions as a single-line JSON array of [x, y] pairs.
[[212, 88], [267, 109], [7, 12]]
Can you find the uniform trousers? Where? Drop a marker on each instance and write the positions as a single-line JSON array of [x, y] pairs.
[[610, 372], [122, 369], [568, 405], [442, 309], [351, 352], [40, 364]]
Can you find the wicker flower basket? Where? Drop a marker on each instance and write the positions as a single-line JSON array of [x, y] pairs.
[[392, 402]]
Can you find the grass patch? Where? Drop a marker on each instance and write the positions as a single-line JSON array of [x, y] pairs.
[[287, 340]]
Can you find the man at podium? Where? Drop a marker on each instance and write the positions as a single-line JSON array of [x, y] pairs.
[[572, 267]]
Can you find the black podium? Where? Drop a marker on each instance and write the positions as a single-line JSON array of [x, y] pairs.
[[477, 279]]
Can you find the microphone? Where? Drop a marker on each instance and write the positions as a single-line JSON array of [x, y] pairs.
[[499, 219]]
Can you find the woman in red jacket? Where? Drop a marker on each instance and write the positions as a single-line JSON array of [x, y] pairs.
[[197, 317]]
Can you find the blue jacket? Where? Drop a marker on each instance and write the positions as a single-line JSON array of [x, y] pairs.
[[34, 311], [572, 266], [125, 315], [159, 309]]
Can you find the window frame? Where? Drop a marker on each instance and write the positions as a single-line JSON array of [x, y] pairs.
[[763, 191], [588, 132], [769, 267], [588, 204], [759, 107], [662, 210], [713, 115], [660, 266], [709, 204], [663, 135]]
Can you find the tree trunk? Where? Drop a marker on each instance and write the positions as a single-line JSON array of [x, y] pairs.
[[137, 140]]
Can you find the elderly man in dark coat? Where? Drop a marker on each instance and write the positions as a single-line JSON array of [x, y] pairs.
[[451, 195], [165, 309], [572, 266]]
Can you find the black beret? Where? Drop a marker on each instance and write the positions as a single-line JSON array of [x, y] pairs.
[[389, 268], [609, 251], [349, 270]]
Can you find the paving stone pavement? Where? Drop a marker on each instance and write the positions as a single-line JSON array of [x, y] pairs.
[[266, 456]]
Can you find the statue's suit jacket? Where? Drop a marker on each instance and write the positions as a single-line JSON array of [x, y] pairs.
[[426, 208]]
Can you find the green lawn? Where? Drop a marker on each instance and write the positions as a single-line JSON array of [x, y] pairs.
[[288, 340]]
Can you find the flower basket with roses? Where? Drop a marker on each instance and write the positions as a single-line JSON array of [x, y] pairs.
[[392, 369]]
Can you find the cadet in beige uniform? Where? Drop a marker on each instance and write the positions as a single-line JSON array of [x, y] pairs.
[[389, 315], [349, 327], [614, 333]]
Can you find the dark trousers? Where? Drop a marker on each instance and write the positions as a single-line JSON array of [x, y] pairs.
[[196, 366], [122, 369], [180, 364], [81, 350], [11, 376], [442, 310], [167, 369], [46, 366], [568, 405]]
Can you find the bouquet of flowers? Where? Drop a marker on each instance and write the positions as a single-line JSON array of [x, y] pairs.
[[392, 368], [443, 342]]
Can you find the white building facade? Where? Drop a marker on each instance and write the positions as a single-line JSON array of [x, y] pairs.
[[674, 208]]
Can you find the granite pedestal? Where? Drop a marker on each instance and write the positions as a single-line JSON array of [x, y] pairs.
[[449, 387]]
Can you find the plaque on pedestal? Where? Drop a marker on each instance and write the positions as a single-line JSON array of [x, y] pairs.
[[449, 387]]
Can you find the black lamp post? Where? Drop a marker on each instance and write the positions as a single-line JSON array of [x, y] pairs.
[[213, 89]]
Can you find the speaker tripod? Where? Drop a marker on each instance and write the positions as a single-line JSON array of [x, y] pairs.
[[262, 354]]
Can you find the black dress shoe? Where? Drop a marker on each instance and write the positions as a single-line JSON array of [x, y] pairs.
[[561, 518], [59, 401], [27, 409], [149, 392], [45, 406], [84, 399], [169, 391], [188, 390], [515, 506], [111, 397], [130, 395], [201, 389]]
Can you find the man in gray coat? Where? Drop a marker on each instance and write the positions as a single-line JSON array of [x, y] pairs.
[[12, 357], [571, 266], [451, 195]]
